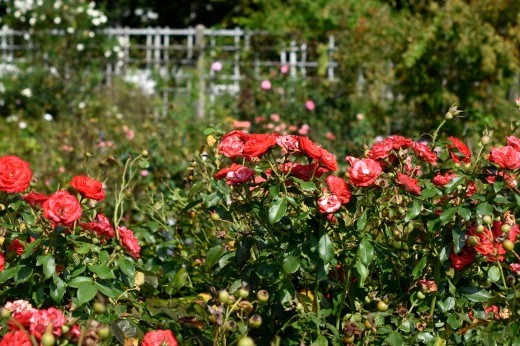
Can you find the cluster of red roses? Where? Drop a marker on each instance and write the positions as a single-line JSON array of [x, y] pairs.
[[396, 155], [27, 324], [63, 208]]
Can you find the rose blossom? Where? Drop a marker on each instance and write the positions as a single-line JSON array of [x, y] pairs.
[[235, 174], [410, 184], [465, 257], [265, 85], [41, 319], [159, 338], [303, 172], [289, 143], [16, 337], [129, 241], [284, 69], [339, 187], [329, 204], [424, 153], [310, 148], [258, 144], [513, 142], [515, 268], [2, 262], [443, 179], [506, 157], [428, 285], [216, 66], [309, 104], [459, 152], [88, 187], [488, 245], [15, 174], [232, 144], [35, 199], [62, 208], [363, 172], [16, 246], [328, 160], [101, 226]]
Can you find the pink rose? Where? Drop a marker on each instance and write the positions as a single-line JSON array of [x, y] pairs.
[[506, 157], [363, 172], [232, 144], [62, 208], [309, 105], [513, 142], [329, 204], [265, 85], [129, 241]]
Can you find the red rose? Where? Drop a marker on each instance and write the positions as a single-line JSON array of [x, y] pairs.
[[16, 246], [258, 144], [41, 319], [310, 148], [465, 257], [339, 187], [328, 160], [2, 262], [289, 143], [232, 144], [303, 172], [329, 204], [488, 245], [235, 174], [88, 187], [380, 150], [35, 199], [443, 179], [15, 174], [506, 157], [159, 338], [101, 226], [16, 337], [410, 184], [62, 208], [424, 153], [363, 172], [129, 241], [513, 142], [515, 268], [459, 152]]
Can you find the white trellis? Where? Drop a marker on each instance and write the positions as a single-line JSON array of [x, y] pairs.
[[182, 58]]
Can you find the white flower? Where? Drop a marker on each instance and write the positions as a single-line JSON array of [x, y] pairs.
[[108, 54], [70, 30], [57, 20], [27, 92], [26, 36], [48, 117], [22, 125], [80, 47], [91, 34], [32, 21], [81, 105], [96, 22], [2, 88], [12, 118]]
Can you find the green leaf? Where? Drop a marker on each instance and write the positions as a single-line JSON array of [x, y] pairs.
[[447, 215], [365, 252], [362, 221], [454, 321], [86, 291], [446, 305], [48, 263], [452, 185], [494, 274], [362, 271], [414, 209], [24, 273], [476, 295], [459, 238], [307, 186], [484, 208], [29, 249], [8, 273], [320, 341], [395, 339], [102, 271], [126, 266], [326, 249], [211, 200], [277, 210], [464, 213], [78, 280], [417, 270], [108, 290], [290, 264], [213, 255], [57, 289]]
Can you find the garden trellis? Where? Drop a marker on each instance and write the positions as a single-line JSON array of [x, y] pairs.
[[180, 59]]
